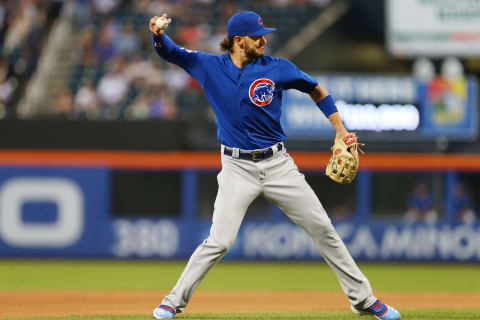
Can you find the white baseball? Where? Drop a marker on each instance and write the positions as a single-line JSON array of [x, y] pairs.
[[161, 23]]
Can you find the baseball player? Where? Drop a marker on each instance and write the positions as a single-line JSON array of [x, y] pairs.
[[244, 88]]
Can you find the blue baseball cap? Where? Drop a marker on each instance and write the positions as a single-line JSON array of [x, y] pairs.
[[247, 23]]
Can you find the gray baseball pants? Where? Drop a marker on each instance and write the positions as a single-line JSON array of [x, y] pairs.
[[277, 179]]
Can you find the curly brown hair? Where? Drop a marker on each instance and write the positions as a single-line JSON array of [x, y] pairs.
[[227, 44]]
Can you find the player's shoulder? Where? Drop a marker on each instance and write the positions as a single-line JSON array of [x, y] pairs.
[[283, 61], [280, 62], [269, 59]]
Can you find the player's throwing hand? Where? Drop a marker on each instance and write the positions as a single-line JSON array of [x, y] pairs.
[[158, 25]]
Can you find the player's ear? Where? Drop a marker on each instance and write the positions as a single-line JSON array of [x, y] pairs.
[[239, 41]]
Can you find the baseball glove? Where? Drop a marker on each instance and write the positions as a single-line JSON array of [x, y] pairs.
[[343, 165]]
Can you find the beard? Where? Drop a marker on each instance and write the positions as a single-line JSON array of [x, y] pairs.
[[251, 53]]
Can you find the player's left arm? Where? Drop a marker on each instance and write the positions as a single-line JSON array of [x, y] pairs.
[[325, 102], [291, 77]]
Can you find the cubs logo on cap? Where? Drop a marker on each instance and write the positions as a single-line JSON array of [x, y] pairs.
[[247, 23], [261, 91]]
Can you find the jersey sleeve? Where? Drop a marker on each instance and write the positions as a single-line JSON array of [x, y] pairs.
[[191, 61], [294, 78]]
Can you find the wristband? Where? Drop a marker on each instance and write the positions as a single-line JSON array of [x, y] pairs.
[[327, 105]]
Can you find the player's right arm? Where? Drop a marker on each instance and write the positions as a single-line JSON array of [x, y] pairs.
[[173, 53]]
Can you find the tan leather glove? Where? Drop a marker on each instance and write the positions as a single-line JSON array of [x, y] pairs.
[[343, 164]]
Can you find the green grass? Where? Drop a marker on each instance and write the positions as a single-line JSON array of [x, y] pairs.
[[160, 275], [434, 314]]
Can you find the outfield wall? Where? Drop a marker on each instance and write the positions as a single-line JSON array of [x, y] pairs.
[[82, 204]]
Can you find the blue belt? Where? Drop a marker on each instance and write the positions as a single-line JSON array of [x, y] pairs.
[[256, 155]]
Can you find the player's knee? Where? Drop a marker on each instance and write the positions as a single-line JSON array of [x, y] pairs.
[[322, 225], [225, 245], [222, 245]]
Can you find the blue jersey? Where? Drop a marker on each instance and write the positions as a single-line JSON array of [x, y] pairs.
[[246, 101]]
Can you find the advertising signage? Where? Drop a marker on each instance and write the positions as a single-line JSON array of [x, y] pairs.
[[433, 27], [401, 107], [65, 212]]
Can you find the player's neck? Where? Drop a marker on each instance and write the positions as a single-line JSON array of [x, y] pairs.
[[239, 58]]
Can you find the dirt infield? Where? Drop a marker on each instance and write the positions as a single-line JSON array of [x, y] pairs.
[[88, 302]]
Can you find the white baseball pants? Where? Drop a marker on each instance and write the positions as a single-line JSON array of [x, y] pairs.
[[277, 179]]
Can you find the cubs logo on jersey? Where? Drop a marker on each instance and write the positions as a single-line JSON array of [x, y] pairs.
[[261, 91]]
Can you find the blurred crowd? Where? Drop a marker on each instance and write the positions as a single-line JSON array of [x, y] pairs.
[[117, 75], [422, 206], [23, 27]]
